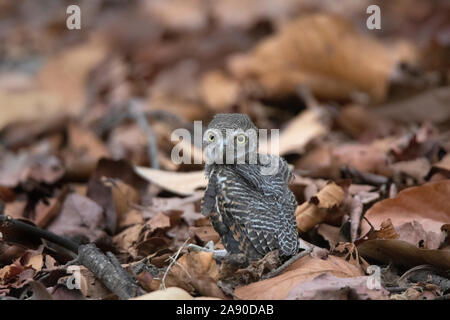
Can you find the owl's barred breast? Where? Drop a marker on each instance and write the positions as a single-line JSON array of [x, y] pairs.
[[254, 213]]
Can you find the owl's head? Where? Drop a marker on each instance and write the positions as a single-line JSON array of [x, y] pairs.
[[230, 138]]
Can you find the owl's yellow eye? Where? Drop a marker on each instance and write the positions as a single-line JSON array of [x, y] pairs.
[[241, 138], [211, 137]]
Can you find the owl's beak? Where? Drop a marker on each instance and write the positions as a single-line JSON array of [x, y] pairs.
[[222, 150], [217, 152]]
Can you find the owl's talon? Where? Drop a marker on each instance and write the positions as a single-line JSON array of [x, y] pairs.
[[209, 247], [220, 254], [196, 248]]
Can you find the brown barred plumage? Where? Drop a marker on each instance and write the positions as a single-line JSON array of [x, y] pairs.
[[253, 213]]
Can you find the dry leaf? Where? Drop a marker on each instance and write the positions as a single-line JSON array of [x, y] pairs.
[[6, 194], [61, 292], [84, 151], [90, 286], [36, 262], [128, 238], [245, 14], [189, 205], [115, 197], [426, 204], [9, 273], [361, 123], [28, 106], [53, 96], [336, 62], [172, 293], [316, 210], [414, 233], [160, 221], [73, 65], [387, 231], [124, 197], [297, 133], [349, 104], [39, 291], [320, 162], [46, 212], [417, 169], [177, 14], [196, 271], [16, 209], [349, 252], [131, 218], [253, 272], [218, 91], [329, 287], [442, 165], [21, 167], [420, 291], [121, 170], [79, 216], [205, 234], [365, 157], [305, 269], [411, 110], [329, 233], [181, 183]]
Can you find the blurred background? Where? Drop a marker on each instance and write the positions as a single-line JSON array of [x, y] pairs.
[[191, 59]]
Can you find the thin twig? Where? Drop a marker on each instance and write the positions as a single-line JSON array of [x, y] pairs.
[[362, 237], [180, 265], [162, 286], [396, 289], [7, 221], [141, 120], [120, 115], [130, 110], [363, 177], [409, 272], [283, 267]]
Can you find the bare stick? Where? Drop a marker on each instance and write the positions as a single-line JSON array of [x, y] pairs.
[[283, 267], [364, 177], [117, 117], [8, 222], [109, 272], [106, 268]]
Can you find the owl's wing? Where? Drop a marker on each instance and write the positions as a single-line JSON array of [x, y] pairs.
[[273, 222], [273, 170], [285, 172], [285, 207], [208, 201]]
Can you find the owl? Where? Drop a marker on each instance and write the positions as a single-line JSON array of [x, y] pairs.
[[249, 206]]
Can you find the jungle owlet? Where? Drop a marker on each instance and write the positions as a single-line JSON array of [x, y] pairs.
[[250, 206]]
